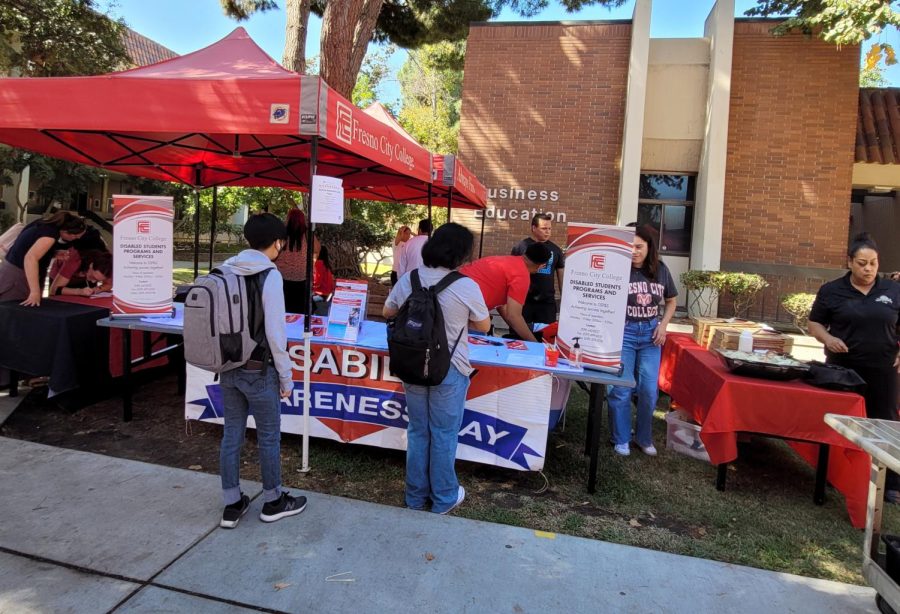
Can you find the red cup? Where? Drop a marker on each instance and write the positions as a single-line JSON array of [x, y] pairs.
[[551, 356]]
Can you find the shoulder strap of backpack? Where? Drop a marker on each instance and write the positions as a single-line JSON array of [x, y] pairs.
[[257, 321], [448, 279], [414, 280]]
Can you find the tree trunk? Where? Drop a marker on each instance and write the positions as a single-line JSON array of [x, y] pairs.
[[347, 28], [294, 57]]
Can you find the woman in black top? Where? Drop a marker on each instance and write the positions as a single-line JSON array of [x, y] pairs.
[[23, 270], [855, 318]]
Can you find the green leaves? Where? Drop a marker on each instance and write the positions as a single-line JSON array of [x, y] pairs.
[[842, 22], [740, 288], [53, 38], [799, 305]]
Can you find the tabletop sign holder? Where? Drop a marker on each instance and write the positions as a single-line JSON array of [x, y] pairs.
[[347, 311], [595, 294], [142, 256]]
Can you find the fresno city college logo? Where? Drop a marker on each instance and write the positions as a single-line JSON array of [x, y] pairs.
[[343, 126], [143, 227], [598, 261], [279, 113]]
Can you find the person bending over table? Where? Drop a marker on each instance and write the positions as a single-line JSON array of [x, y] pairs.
[[436, 412], [83, 274], [855, 317], [23, 270], [651, 284], [504, 283]]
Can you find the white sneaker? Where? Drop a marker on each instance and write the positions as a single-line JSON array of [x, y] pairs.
[[623, 449], [649, 450], [460, 496]]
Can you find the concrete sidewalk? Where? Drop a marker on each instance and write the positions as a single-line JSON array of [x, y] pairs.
[[82, 532]]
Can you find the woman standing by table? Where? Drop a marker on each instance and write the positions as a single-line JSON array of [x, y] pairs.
[[651, 284], [23, 270], [403, 235], [291, 262], [855, 318], [436, 412]]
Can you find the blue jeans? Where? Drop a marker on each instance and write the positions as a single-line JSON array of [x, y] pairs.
[[243, 393], [435, 417], [640, 357]]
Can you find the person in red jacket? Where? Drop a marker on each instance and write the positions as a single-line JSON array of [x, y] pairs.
[[504, 283], [323, 282]]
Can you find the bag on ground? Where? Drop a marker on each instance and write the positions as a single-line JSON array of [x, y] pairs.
[[417, 339], [223, 321]]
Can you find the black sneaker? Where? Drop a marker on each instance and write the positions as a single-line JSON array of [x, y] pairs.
[[282, 507], [233, 513]]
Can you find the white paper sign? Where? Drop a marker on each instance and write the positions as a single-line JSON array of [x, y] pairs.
[[327, 200], [595, 293]]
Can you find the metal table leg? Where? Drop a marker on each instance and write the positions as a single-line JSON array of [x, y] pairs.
[[595, 417], [821, 474], [721, 475], [126, 375]]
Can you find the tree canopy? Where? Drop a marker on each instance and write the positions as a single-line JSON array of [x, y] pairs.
[[55, 38], [842, 22]]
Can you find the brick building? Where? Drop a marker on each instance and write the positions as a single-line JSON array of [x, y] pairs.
[[738, 146]]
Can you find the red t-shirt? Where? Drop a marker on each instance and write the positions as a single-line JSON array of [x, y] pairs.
[[500, 277], [323, 279]]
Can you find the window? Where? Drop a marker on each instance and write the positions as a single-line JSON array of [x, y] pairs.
[[666, 202]]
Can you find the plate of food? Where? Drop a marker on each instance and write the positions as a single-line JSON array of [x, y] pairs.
[[768, 365]]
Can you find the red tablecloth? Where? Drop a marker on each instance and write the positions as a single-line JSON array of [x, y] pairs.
[[116, 368], [725, 404]]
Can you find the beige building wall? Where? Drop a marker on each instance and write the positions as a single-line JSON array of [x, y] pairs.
[[876, 175], [675, 107]]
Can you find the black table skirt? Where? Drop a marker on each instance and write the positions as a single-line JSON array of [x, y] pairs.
[[59, 340]]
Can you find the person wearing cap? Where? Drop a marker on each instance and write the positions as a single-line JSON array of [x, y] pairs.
[[257, 389], [504, 283]]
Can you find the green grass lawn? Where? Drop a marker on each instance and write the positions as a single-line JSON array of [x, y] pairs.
[[765, 518]]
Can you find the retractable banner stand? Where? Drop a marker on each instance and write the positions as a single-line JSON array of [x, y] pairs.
[[595, 293], [142, 256]]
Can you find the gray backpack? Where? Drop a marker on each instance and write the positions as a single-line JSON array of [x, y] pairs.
[[223, 321]]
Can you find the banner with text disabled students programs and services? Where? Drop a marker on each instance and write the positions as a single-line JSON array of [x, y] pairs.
[[142, 255], [595, 293]]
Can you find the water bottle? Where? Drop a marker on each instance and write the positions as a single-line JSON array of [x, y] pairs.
[[745, 343]]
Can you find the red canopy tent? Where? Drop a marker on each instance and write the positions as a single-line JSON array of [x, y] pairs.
[[461, 188], [226, 115]]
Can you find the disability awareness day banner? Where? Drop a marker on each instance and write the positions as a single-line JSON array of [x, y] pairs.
[[595, 293], [142, 255], [355, 399]]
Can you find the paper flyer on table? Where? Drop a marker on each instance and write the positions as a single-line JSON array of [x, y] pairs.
[[348, 309]]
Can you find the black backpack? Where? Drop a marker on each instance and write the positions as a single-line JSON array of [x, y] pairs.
[[417, 339]]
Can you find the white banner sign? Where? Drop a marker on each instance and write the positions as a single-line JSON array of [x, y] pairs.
[[595, 293], [327, 200], [355, 399], [142, 255]]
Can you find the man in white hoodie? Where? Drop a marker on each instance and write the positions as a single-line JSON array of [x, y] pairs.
[[257, 387]]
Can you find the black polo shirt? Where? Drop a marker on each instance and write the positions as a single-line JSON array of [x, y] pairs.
[[866, 323]]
